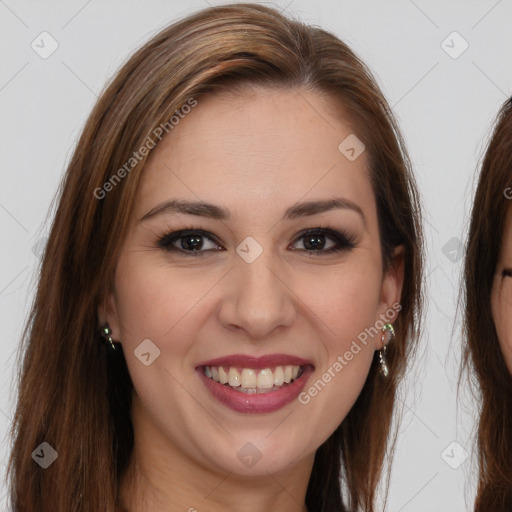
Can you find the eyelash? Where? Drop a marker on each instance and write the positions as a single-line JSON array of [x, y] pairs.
[[343, 241], [507, 272]]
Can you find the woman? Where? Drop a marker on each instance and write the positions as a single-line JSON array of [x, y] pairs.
[[236, 223], [488, 290]]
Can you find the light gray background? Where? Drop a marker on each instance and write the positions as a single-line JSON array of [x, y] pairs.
[[445, 107]]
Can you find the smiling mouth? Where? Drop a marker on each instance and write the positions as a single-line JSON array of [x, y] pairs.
[[254, 381]]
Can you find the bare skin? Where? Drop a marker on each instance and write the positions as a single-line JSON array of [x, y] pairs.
[[502, 293], [255, 154]]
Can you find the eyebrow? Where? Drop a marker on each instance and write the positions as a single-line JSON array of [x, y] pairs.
[[212, 211]]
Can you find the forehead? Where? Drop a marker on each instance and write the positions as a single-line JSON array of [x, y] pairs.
[[257, 148]]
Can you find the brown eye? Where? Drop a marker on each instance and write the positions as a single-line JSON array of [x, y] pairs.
[[314, 241], [192, 242], [507, 272]]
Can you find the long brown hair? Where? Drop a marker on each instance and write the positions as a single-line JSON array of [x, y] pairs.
[[483, 359], [75, 397]]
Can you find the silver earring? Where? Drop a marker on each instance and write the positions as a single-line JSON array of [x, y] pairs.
[[106, 331], [388, 333]]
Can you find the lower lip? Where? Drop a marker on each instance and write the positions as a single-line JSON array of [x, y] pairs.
[[258, 402]]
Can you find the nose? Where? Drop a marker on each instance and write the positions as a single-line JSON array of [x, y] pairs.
[[258, 298]]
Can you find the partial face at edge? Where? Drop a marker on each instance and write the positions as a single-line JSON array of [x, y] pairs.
[[255, 155], [502, 293]]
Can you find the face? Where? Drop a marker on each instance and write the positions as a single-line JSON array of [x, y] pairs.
[[268, 290], [502, 293]]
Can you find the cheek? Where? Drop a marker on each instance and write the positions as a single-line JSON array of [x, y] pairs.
[[346, 300], [160, 303], [502, 314], [348, 310], [157, 302]]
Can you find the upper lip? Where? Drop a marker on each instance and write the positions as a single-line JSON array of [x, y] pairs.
[[266, 361]]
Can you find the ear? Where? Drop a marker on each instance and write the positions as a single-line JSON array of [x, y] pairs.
[[107, 313], [391, 289]]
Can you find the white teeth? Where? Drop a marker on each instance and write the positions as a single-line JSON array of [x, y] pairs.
[[279, 376], [223, 376], [252, 381], [265, 379], [249, 378], [234, 377]]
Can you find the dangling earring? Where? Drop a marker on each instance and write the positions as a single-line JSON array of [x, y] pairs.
[[106, 331], [388, 333]]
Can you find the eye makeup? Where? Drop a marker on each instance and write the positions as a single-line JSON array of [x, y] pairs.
[[192, 242]]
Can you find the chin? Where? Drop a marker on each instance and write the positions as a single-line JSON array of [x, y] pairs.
[[259, 456]]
